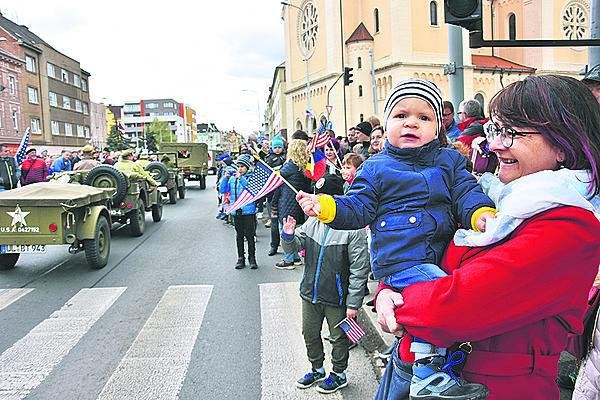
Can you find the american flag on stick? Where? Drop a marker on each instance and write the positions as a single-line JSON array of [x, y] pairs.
[[319, 140], [20, 156], [352, 329], [262, 182]]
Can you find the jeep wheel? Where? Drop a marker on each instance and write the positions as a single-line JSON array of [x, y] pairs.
[[106, 176], [97, 250], [172, 196], [203, 182], [181, 190], [157, 210], [137, 220], [159, 172], [8, 261]]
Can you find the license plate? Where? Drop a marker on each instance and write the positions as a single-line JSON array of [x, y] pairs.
[[22, 248]]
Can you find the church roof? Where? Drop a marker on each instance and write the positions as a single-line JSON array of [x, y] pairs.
[[360, 33], [489, 63]]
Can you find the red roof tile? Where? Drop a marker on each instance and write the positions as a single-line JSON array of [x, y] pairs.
[[360, 33], [488, 62]]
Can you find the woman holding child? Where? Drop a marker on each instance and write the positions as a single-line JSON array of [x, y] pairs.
[[514, 291]]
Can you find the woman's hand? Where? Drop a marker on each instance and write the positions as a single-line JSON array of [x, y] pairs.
[[387, 302], [309, 203], [289, 225]]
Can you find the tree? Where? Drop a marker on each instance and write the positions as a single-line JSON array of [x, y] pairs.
[[116, 140], [151, 143], [161, 131]]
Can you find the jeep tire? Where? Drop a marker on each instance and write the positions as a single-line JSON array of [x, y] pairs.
[[137, 220], [159, 172], [107, 176], [157, 210], [97, 249], [8, 261], [173, 195]]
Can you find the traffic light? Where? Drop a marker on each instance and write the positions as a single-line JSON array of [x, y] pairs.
[[464, 13], [347, 76]]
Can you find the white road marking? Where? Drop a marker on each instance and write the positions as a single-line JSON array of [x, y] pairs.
[[283, 353], [9, 296], [30, 360], [155, 365]]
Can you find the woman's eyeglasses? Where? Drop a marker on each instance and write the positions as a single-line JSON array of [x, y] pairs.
[[507, 134]]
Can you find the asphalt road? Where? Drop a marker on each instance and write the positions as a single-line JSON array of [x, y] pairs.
[[168, 317]]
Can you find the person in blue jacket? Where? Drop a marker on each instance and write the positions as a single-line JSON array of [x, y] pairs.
[[62, 163], [244, 218], [412, 194]]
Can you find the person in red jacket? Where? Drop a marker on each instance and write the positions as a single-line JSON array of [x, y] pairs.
[[515, 292], [33, 169]]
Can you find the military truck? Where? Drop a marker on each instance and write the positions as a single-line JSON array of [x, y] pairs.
[[169, 177], [192, 160], [35, 216], [133, 196]]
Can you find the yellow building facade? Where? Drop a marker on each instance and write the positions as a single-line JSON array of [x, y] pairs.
[[385, 41]]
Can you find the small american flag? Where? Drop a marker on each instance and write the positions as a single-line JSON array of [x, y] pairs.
[[262, 182], [20, 156], [352, 329], [319, 140]]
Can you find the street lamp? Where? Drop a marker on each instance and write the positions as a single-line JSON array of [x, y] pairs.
[[257, 105], [306, 57]]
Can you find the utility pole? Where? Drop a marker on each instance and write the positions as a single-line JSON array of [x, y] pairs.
[[455, 68], [342, 49], [375, 108], [594, 51]]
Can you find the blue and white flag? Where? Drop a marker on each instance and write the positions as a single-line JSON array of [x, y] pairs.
[[20, 156]]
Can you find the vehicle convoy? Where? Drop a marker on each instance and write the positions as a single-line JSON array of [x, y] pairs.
[[35, 216], [133, 195], [192, 160], [170, 178]]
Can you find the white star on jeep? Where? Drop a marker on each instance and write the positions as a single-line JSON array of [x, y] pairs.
[[18, 216]]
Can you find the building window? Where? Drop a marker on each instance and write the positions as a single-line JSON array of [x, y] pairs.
[[433, 19], [76, 80], [32, 95], [66, 103], [51, 70], [15, 119], [55, 128], [64, 75], [80, 131], [512, 27], [168, 105], [359, 63], [86, 130], [362, 117], [85, 108], [84, 85], [53, 99], [68, 129], [30, 64], [376, 15], [78, 106], [35, 125], [359, 90], [11, 85], [151, 105]]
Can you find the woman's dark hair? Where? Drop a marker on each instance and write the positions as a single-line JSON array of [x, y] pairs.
[[560, 108]]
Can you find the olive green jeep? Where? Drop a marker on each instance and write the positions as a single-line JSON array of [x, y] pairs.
[[52, 213], [169, 177]]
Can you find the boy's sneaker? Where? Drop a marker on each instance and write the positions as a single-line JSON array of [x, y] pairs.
[[310, 379], [285, 265], [432, 379], [333, 383], [298, 261]]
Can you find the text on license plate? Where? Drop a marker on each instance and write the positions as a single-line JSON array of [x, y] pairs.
[[22, 248]]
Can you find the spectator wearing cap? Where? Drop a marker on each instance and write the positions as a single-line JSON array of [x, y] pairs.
[[223, 160], [332, 287], [33, 169], [244, 219], [87, 159], [274, 160], [299, 134], [363, 137], [62, 163], [126, 164], [592, 81]]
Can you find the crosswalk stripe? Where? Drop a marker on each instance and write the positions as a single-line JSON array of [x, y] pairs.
[[283, 353], [9, 296], [30, 360], [156, 363]]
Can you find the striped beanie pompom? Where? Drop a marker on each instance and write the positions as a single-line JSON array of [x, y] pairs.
[[419, 88]]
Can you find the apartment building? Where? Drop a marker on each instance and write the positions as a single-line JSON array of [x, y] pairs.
[[55, 98], [137, 114], [12, 127]]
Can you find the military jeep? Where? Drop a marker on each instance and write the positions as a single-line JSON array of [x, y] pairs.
[[169, 177], [51, 213], [133, 197]]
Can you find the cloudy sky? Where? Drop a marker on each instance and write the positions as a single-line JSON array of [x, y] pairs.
[[217, 56]]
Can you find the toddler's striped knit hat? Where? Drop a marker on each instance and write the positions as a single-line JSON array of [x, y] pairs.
[[420, 88]]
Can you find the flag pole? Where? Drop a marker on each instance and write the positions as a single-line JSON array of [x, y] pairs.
[[255, 155]]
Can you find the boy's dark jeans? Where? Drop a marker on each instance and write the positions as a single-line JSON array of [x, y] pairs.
[[244, 228], [312, 321]]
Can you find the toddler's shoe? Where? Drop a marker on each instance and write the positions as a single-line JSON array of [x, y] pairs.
[[333, 383], [285, 265], [310, 379]]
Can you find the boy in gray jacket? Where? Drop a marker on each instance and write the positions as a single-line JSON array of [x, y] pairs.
[[332, 288]]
